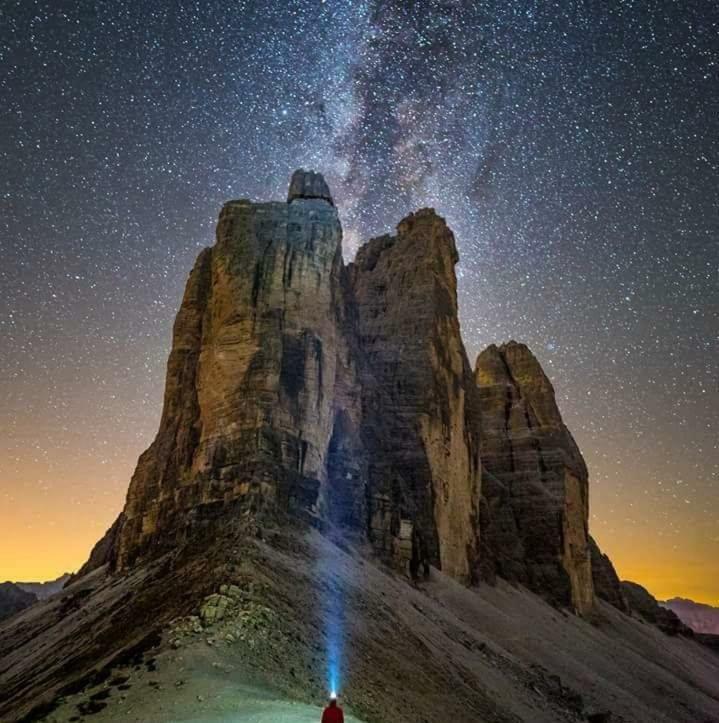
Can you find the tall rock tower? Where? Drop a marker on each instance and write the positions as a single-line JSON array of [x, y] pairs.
[[258, 350], [298, 387], [421, 426], [535, 494]]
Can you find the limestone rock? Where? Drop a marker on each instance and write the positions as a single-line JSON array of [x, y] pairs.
[[289, 373], [343, 395], [250, 405], [308, 184], [606, 582], [214, 608], [232, 591], [342, 499], [535, 503], [644, 604], [420, 405]]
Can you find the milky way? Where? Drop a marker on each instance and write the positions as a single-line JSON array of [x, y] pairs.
[[572, 147]]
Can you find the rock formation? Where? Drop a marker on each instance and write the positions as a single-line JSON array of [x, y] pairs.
[[606, 581], [304, 393], [308, 184], [250, 404], [535, 502], [297, 385], [420, 403], [289, 373], [13, 599], [644, 604]]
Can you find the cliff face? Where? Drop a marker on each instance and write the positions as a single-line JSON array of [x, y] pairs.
[[421, 426], [536, 501], [295, 384], [344, 394], [250, 404]]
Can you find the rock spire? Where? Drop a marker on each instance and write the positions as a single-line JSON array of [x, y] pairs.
[[536, 497], [298, 387]]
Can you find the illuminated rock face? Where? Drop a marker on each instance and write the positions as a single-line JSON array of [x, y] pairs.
[[343, 395], [420, 402], [535, 495], [258, 367], [297, 385]]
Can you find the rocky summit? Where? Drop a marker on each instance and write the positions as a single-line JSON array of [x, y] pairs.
[[297, 385], [420, 425], [344, 395], [258, 352], [326, 452]]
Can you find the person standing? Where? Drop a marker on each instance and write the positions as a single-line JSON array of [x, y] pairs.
[[333, 713]]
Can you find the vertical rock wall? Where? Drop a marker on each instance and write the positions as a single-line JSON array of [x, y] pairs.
[[250, 400], [421, 425], [296, 384], [536, 502]]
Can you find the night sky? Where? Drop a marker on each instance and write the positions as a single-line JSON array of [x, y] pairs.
[[572, 146]]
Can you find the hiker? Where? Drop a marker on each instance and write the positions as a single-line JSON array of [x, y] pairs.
[[333, 713]]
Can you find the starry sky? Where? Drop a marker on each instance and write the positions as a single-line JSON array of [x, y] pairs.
[[572, 146]]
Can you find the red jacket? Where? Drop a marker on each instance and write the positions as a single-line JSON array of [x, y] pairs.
[[333, 714]]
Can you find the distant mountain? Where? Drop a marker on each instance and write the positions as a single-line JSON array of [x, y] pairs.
[[13, 599], [43, 590], [699, 617], [644, 604]]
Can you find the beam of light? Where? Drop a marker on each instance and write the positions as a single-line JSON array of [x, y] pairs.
[[333, 615]]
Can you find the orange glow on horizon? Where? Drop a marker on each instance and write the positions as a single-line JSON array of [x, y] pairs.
[[55, 507], [41, 541]]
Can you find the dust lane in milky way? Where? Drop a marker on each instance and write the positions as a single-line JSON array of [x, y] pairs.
[[572, 147]]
